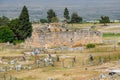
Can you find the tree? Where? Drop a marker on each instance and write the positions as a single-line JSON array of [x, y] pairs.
[[16, 26], [24, 16], [50, 14], [104, 20], [4, 21], [6, 35], [75, 18], [26, 26], [66, 14]]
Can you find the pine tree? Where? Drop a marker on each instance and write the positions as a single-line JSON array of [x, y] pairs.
[[24, 16], [26, 26], [66, 14]]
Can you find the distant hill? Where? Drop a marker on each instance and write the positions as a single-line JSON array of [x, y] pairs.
[[89, 9]]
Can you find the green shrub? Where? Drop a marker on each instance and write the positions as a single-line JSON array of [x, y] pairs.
[[43, 20], [6, 35], [90, 46], [118, 43], [0, 41], [17, 42]]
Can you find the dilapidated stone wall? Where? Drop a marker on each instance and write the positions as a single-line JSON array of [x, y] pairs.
[[65, 38]]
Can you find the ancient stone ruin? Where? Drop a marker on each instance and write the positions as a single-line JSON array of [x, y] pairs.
[[57, 35]]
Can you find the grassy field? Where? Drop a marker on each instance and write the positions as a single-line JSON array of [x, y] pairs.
[[111, 35], [88, 25], [82, 70]]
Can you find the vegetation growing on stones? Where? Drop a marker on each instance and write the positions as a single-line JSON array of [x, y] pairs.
[[118, 43], [90, 46]]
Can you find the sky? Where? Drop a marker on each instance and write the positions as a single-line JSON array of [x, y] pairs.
[[34, 2], [55, 3]]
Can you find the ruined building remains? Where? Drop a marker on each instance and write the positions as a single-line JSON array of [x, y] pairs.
[[45, 37]]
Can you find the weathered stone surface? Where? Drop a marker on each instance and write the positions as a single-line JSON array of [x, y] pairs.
[[63, 38]]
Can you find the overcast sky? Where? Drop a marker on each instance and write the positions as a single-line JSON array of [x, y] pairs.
[[57, 3]]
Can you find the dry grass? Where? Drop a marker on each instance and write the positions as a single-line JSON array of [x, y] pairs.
[[78, 26], [56, 73], [83, 68], [88, 25], [6, 51]]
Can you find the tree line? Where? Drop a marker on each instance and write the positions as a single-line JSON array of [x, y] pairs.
[[52, 17], [73, 18], [15, 30]]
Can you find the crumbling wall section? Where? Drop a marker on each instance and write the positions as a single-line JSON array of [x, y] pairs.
[[67, 38]]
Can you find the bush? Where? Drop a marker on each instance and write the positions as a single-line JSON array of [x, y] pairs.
[[118, 43], [43, 20], [0, 41], [55, 19], [17, 41], [90, 46], [6, 35]]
